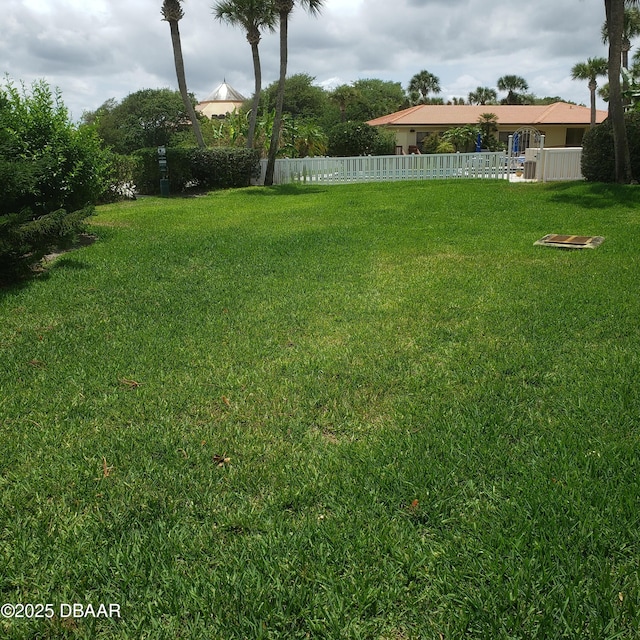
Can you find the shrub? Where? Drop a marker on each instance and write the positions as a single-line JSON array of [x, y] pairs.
[[598, 160], [224, 168], [358, 139], [120, 178], [444, 146], [386, 145], [51, 172], [430, 143], [218, 168]]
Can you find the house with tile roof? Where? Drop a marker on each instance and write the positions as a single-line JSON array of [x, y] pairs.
[[223, 99], [562, 124]]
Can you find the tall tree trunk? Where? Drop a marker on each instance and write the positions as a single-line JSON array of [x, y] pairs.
[[182, 82], [257, 71], [615, 21], [277, 122], [592, 89]]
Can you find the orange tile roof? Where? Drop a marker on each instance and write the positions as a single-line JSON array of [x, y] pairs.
[[457, 115]]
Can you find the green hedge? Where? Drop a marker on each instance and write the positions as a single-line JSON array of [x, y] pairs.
[[598, 160], [217, 168]]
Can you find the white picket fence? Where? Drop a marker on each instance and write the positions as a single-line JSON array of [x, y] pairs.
[[388, 168], [553, 164]]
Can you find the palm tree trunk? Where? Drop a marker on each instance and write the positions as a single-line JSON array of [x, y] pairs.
[[277, 122], [615, 20], [592, 89], [182, 82], [257, 71], [626, 47]]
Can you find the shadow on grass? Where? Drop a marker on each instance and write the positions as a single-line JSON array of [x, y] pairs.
[[12, 285], [595, 195], [284, 190], [27, 271], [69, 263]]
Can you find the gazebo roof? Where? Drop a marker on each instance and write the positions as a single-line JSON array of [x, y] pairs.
[[225, 93]]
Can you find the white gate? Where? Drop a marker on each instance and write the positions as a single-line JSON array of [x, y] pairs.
[[525, 157]]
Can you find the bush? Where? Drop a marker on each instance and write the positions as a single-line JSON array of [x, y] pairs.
[[224, 168], [218, 168], [51, 172], [598, 160], [120, 178], [359, 139]]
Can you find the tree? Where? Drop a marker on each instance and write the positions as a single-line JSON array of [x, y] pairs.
[[375, 98], [421, 85], [483, 95], [146, 118], [488, 123], [253, 16], [614, 12], [590, 70], [302, 98], [52, 174], [172, 12], [513, 85], [630, 29], [343, 96], [284, 9]]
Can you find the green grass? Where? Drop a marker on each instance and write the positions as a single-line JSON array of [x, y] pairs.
[[431, 426]]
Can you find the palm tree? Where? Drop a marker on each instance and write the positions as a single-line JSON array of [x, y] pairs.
[[422, 84], [253, 16], [483, 95], [513, 85], [172, 12], [284, 9], [342, 96], [615, 16], [488, 126], [631, 29], [590, 70]]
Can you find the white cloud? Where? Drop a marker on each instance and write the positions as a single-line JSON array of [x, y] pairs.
[[96, 50]]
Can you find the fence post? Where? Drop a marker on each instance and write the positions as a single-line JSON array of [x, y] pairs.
[[540, 177]]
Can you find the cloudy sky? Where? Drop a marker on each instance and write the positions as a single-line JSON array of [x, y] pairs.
[[93, 50]]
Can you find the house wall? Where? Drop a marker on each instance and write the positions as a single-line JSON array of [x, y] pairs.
[[555, 135]]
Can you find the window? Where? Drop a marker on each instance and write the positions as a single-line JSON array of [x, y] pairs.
[[574, 136]]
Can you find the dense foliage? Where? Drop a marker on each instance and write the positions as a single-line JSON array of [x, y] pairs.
[[598, 160], [376, 98], [359, 139], [216, 168], [51, 174], [146, 118], [302, 98]]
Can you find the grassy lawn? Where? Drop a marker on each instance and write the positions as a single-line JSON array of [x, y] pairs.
[[370, 411]]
